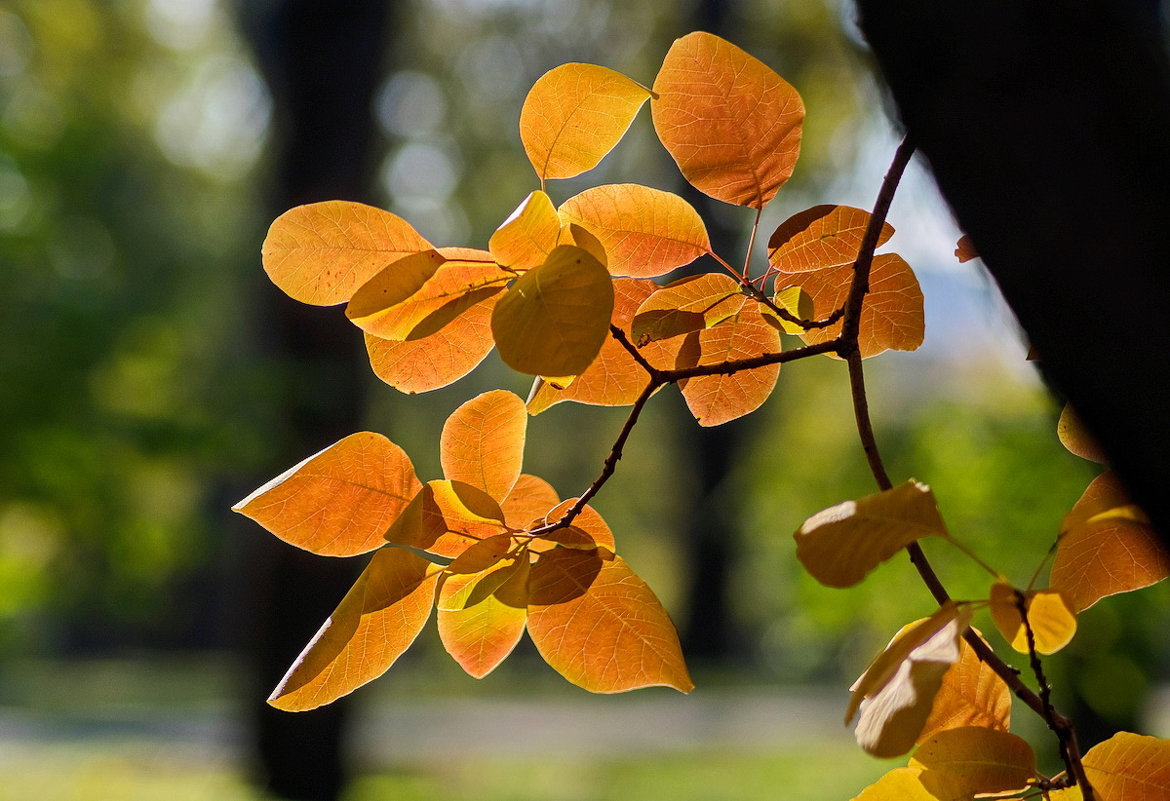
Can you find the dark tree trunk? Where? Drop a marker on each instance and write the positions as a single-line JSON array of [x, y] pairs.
[[1047, 126], [323, 60]]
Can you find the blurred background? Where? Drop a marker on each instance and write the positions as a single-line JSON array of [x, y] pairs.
[[150, 377]]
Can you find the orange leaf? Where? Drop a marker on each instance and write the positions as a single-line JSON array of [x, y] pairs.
[[975, 760], [528, 502], [892, 317], [598, 625], [614, 378], [1076, 438], [731, 124], [524, 240], [965, 249], [1106, 555], [554, 319], [1130, 767], [589, 523], [447, 518], [1105, 497], [482, 615], [842, 544], [375, 622], [645, 232], [716, 399], [339, 501], [823, 236], [1053, 624], [322, 252], [894, 716], [905, 784], [971, 695], [482, 443], [390, 307], [442, 358], [688, 304], [574, 114]]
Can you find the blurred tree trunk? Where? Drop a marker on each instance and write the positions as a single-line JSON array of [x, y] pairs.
[[323, 60], [1047, 126]]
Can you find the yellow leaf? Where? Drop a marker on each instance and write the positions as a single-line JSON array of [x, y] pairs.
[[975, 760], [823, 236], [446, 518], [554, 319], [392, 307], [843, 543], [574, 234], [1053, 624], [482, 443], [1130, 767], [339, 501], [479, 618], [614, 378], [971, 695], [525, 239], [421, 365], [598, 625], [1076, 438], [375, 622], [796, 302], [892, 317], [1106, 555], [717, 399], [528, 502], [321, 253], [688, 304], [893, 717], [645, 232], [574, 114], [904, 784], [731, 124]]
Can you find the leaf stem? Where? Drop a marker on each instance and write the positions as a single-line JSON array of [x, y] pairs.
[[747, 257]]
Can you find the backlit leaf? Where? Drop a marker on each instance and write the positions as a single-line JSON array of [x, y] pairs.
[[892, 317], [321, 253], [421, 365], [389, 308], [971, 695], [530, 499], [645, 232], [574, 114], [1106, 555], [843, 543], [975, 760], [717, 399], [731, 124], [965, 249], [598, 625], [1076, 438], [588, 523], [893, 717], [375, 622], [796, 302], [905, 784], [482, 443], [614, 378], [1053, 624], [554, 319], [340, 501], [479, 621], [524, 240], [446, 518], [823, 236], [1130, 767], [688, 304]]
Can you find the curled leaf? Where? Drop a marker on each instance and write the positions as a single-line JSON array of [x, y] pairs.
[[971, 695], [524, 240], [374, 624], [340, 501], [554, 319], [321, 253], [574, 114], [645, 232], [843, 543], [731, 124]]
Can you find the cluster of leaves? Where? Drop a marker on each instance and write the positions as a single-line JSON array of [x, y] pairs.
[[573, 295]]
